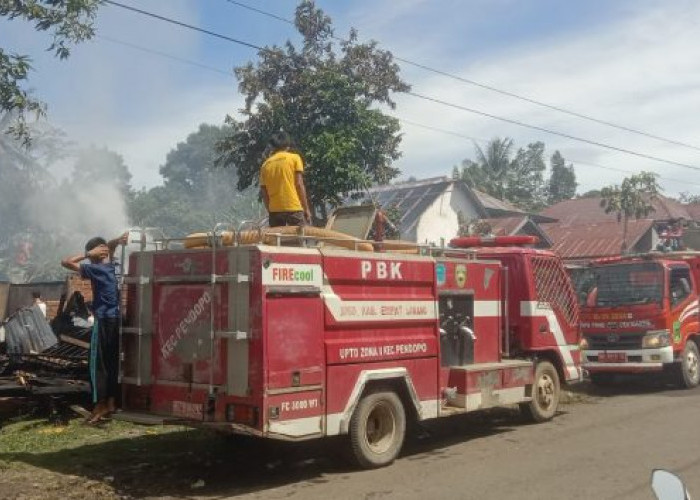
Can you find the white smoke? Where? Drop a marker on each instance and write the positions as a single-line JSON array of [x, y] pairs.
[[80, 211]]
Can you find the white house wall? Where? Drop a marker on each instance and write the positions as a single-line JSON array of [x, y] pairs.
[[440, 219]]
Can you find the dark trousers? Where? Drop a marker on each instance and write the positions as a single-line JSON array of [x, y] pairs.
[[277, 219], [104, 359]]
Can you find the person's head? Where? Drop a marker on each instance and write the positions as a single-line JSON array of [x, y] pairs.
[[36, 295], [281, 141], [94, 243]]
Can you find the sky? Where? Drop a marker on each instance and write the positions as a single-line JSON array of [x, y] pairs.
[[631, 62]]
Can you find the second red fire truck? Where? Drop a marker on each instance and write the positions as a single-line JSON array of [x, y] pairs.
[[642, 315], [302, 342]]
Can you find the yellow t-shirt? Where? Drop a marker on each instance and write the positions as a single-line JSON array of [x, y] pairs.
[[277, 175]]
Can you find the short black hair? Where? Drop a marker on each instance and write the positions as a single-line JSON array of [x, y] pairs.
[[36, 294], [95, 242], [281, 140]]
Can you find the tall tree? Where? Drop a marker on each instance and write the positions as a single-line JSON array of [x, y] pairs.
[[196, 193], [562, 181], [489, 173], [517, 179], [633, 198], [525, 178], [68, 21], [328, 96]]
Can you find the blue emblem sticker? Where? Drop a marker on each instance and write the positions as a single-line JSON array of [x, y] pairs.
[[440, 274]]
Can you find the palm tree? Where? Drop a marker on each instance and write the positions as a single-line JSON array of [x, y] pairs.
[[490, 171], [633, 198]]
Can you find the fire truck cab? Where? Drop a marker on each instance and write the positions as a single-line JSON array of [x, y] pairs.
[[302, 342], [641, 315]]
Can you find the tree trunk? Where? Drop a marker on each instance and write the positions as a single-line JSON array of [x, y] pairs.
[[623, 250]]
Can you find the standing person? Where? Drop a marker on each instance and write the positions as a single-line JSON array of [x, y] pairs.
[[104, 343], [282, 184], [36, 295]]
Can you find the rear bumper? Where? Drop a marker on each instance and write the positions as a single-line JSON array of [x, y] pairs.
[[639, 361]]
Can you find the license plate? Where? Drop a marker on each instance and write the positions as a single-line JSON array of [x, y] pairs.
[[185, 409], [612, 357]]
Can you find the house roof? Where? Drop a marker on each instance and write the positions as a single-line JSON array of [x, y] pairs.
[[586, 210], [594, 239], [509, 226], [506, 226], [693, 210], [412, 198], [490, 203]]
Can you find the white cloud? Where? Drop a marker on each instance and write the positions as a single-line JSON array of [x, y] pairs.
[[641, 72]]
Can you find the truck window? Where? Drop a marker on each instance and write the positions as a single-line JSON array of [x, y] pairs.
[[628, 284], [679, 285]]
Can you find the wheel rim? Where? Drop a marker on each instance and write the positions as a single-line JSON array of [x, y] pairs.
[[546, 392], [380, 429], [691, 364]]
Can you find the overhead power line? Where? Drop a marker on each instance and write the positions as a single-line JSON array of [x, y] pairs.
[[185, 25], [551, 131], [402, 120], [570, 160], [164, 54], [419, 96], [491, 88]]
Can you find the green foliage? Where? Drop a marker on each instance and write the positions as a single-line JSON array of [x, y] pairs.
[[68, 21], [196, 193], [633, 198], [689, 198], [562, 181], [326, 97], [518, 179]]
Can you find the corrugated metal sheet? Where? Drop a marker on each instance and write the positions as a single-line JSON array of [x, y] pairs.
[[583, 210], [693, 210], [594, 239], [506, 226], [410, 198], [491, 203]]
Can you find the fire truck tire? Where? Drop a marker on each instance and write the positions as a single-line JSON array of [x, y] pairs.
[[377, 429], [546, 392], [689, 367]]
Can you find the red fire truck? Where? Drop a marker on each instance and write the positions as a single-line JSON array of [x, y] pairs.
[[303, 342], [641, 314]]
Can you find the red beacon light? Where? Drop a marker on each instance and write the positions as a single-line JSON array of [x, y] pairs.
[[493, 241]]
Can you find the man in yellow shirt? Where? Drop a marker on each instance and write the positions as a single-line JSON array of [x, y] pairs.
[[282, 184]]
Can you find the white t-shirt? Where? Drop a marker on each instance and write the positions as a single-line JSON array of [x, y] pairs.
[[42, 306]]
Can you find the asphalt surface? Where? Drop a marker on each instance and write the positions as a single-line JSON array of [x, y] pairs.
[[602, 446]]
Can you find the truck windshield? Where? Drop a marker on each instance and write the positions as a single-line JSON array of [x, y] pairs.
[[628, 284]]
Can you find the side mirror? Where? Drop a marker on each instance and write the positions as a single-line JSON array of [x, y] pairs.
[[667, 486]]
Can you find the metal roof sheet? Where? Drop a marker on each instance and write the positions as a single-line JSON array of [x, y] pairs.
[[594, 239]]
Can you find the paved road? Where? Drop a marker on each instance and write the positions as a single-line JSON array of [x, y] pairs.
[[603, 447]]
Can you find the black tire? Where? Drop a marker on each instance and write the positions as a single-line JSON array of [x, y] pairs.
[[546, 392], [377, 429], [689, 367], [602, 379]]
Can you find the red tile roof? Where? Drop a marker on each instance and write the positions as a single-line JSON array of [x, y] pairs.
[[585, 210], [594, 239], [693, 210]]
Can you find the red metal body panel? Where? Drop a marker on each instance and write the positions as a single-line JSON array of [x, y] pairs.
[[298, 334]]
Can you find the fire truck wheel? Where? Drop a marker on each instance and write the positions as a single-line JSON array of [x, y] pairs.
[[689, 367], [545, 394], [377, 429]]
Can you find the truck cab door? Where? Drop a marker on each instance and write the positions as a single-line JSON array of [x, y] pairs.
[[683, 302]]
